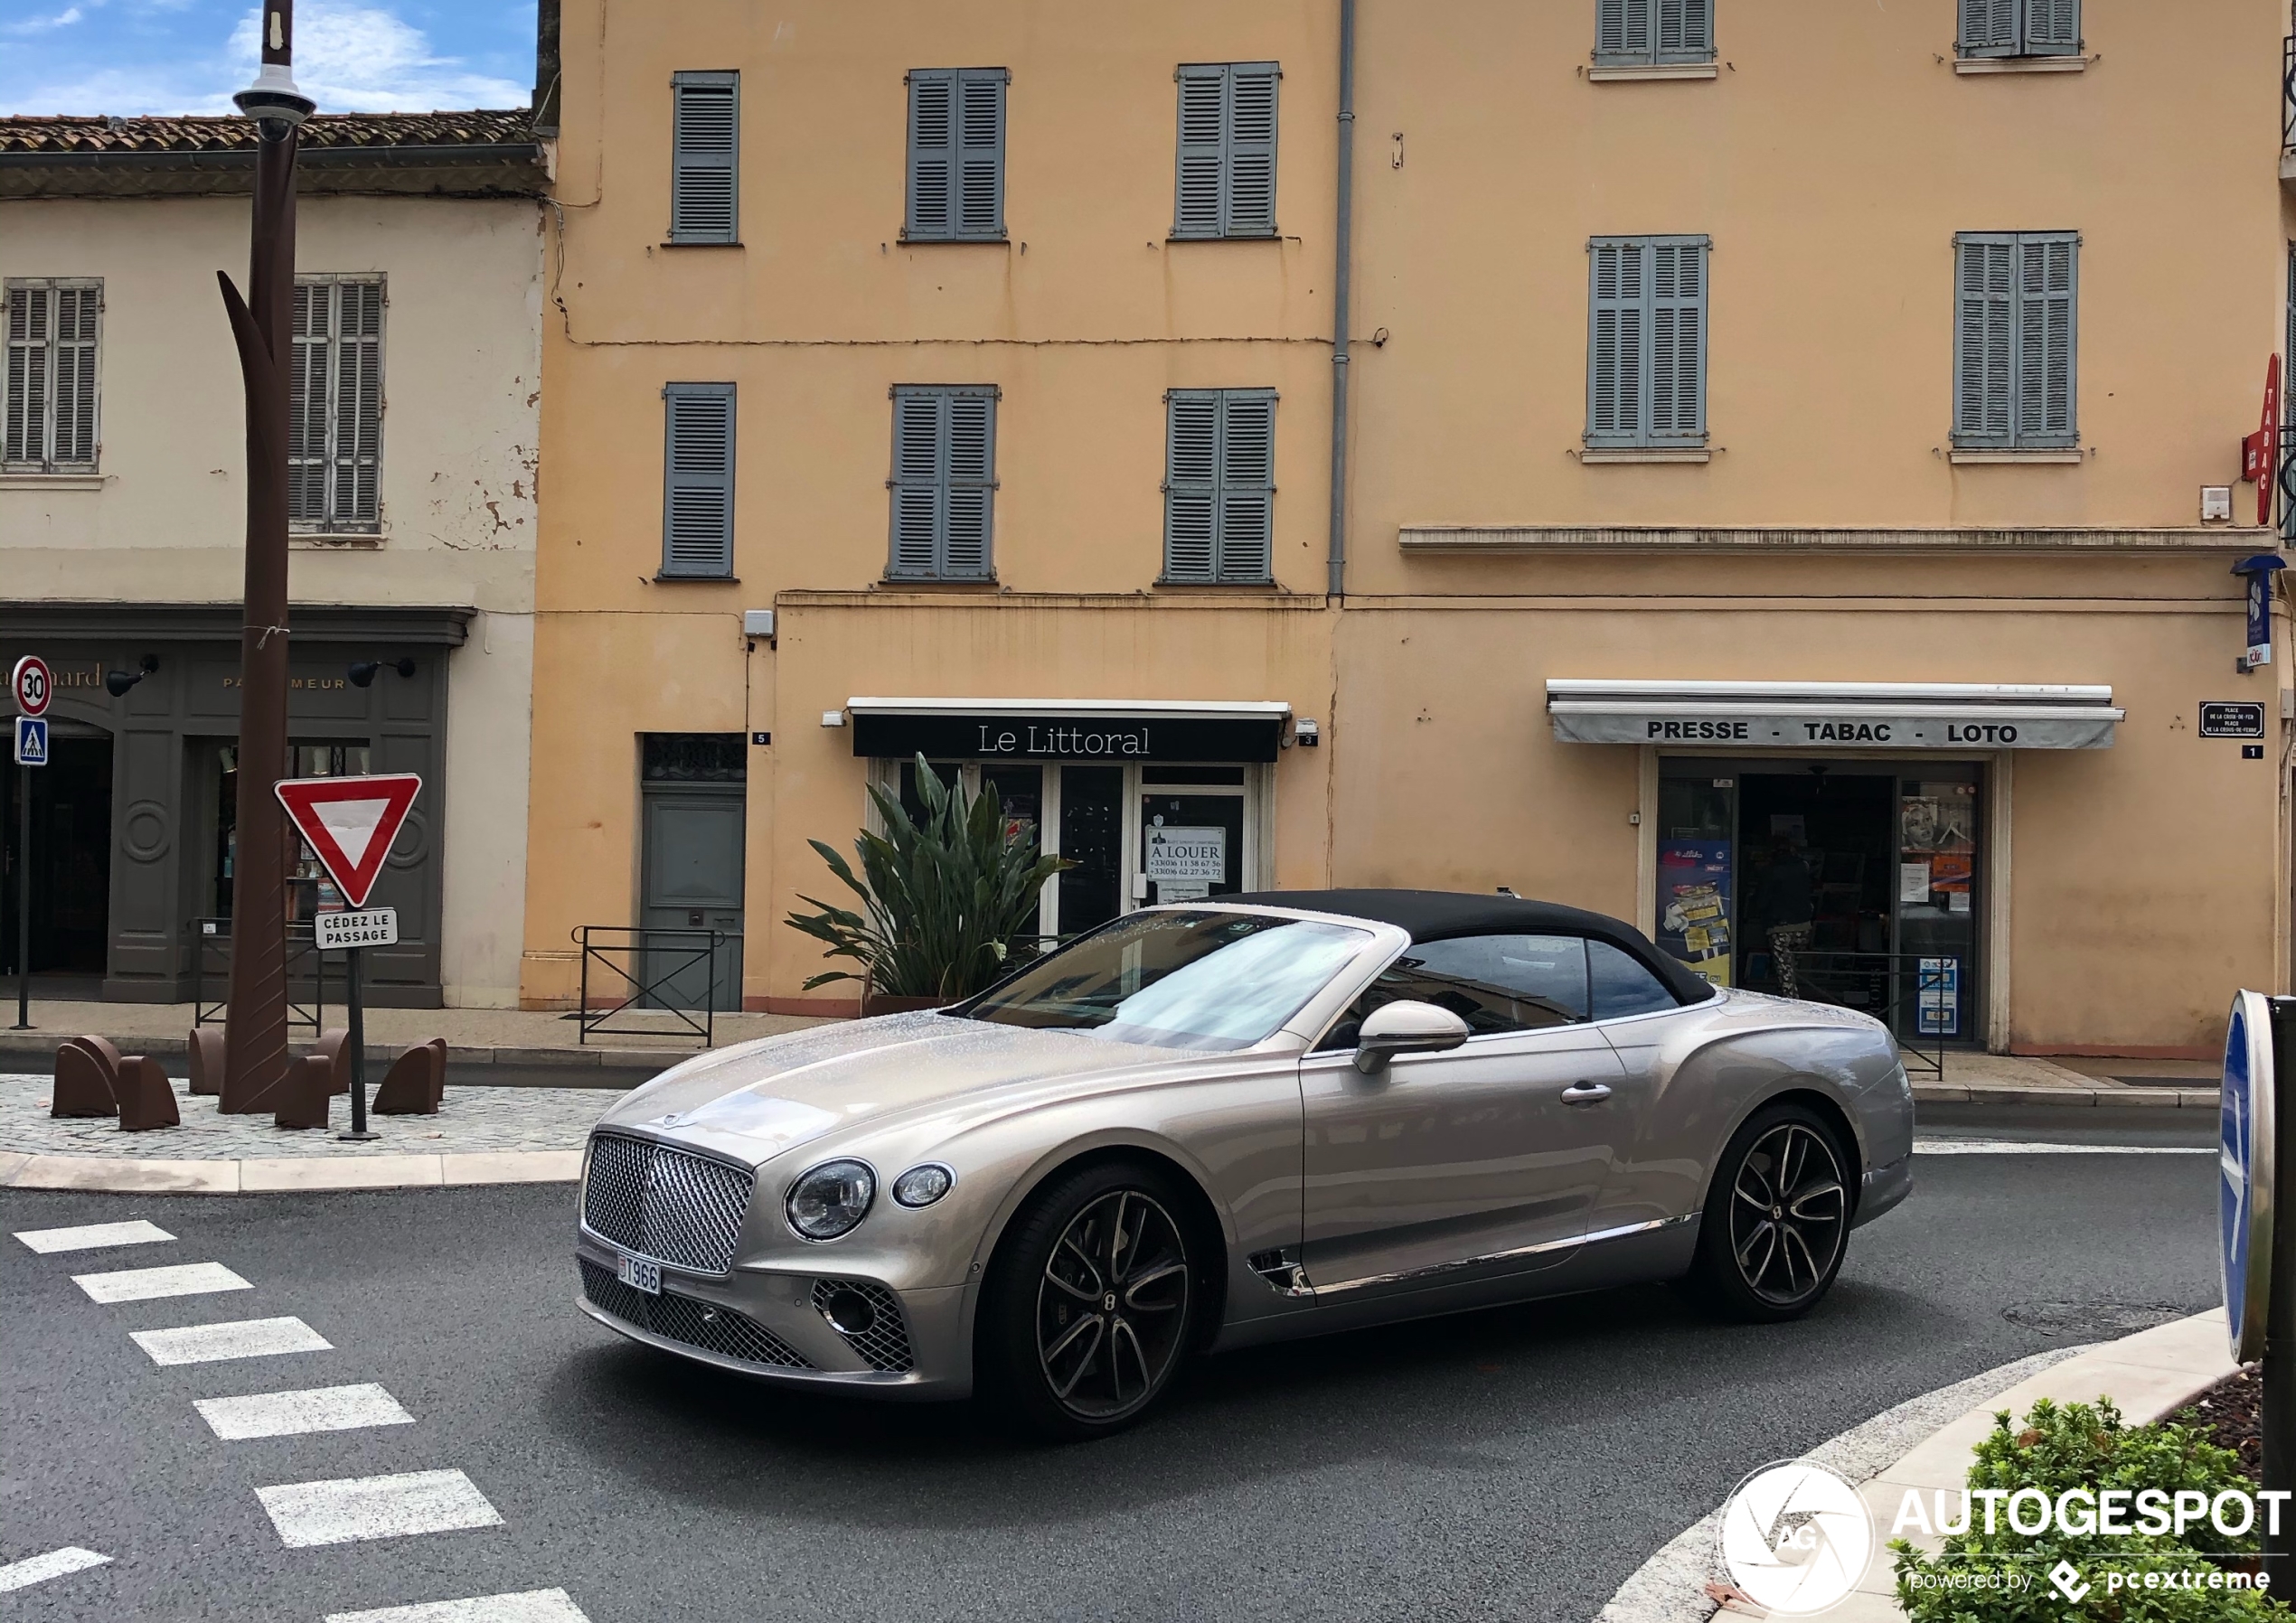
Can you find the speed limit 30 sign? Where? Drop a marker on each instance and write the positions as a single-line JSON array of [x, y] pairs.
[[33, 685]]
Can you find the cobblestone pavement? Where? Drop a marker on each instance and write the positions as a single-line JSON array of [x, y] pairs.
[[471, 1119]]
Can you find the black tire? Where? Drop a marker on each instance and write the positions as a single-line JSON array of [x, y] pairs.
[[1778, 1217], [1091, 1304]]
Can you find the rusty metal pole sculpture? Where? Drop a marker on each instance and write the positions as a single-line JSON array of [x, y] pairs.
[[262, 325]]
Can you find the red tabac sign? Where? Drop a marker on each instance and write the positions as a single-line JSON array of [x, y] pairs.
[[350, 823]]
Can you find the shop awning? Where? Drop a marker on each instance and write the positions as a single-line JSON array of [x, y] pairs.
[[1834, 715], [1070, 729]]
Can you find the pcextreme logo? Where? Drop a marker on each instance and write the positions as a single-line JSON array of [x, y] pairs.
[[1796, 1538]]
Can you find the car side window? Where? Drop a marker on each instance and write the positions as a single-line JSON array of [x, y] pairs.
[[1493, 982], [1623, 985]]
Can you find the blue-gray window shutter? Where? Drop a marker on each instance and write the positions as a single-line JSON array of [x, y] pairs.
[[1676, 279], [944, 481], [1685, 31], [1984, 338], [697, 499], [2047, 268], [705, 144], [2052, 27], [1623, 32], [955, 153], [1203, 147], [1989, 27], [1250, 203], [1191, 485], [1247, 484], [1615, 342]]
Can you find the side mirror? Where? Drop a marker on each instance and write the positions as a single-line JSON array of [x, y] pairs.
[[1406, 1027]]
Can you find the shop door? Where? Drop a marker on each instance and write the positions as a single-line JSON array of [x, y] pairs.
[[1191, 834], [71, 858], [1091, 836], [693, 835]]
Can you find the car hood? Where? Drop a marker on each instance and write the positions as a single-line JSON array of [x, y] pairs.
[[754, 1101]]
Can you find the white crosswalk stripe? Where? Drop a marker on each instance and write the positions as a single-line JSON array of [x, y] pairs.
[[353, 1508], [147, 1284], [528, 1606], [2014, 1147], [292, 1413], [240, 1338], [87, 1237], [39, 1569]]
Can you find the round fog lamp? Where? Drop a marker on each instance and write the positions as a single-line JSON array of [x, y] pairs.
[[849, 1312], [922, 1186], [831, 1200]]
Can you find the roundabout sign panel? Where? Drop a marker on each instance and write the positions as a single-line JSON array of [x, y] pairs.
[[2247, 1125]]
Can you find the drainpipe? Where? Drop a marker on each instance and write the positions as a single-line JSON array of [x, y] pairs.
[[1341, 278]]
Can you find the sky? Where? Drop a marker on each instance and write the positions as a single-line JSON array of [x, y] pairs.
[[126, 57]]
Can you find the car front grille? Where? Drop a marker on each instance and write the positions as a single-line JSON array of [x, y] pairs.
[[676, 1318], [885, 1344], [668, 1205]]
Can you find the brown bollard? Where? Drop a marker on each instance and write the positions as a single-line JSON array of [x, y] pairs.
[[416, 1082], [87, 1075], [335, 1047], [303, 1094], [206, 1052], [147, 1098]]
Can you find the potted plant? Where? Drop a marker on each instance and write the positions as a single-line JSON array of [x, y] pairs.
[[943, 896]]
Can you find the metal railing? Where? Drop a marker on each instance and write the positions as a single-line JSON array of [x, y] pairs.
[[1917, 995], [306, 964], [2288, 93], [648, 971]]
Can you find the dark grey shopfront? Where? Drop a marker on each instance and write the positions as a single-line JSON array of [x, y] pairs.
[[132, 840]]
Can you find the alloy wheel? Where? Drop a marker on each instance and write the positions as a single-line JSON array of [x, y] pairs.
[[1112, 1306], [1789, 1213]]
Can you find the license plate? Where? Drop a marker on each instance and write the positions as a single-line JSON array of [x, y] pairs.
[[639, 1274]]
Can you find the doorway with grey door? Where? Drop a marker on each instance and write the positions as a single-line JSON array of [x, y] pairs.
[[692, 822]]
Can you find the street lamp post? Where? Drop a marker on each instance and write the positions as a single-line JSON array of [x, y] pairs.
[[262, 325]]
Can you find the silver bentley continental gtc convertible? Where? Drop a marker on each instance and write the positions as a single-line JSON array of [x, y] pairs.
[[1216, 1123]]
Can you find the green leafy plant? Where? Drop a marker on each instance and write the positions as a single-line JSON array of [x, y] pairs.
[[943, 894], [2001, 1575]]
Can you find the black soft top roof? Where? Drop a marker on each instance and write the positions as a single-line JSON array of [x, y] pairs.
[[1441, 914]]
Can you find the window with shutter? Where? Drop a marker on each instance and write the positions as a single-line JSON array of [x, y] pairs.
[[48, 409], [334, 406], [2020, 27], [1646, 308], [955, 155], [944, 483], [697, 481], [1225, 184], [1219, 486], [705, 154], [1646, 32], [2015, 339]]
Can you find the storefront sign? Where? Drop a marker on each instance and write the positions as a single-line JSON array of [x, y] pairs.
[[950, 736], [2259, 571], [1879, 716], [2232, 718], [1835, 731]]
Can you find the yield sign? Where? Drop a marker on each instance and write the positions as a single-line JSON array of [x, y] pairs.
[[350, 823]]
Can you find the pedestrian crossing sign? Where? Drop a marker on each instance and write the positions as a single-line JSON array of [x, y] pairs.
[[32, 741]]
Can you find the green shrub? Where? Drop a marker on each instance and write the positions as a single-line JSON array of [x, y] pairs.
[[943, 896], [2079, 1445]]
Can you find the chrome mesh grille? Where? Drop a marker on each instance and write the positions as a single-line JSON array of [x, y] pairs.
[[675, 1208], [885, 1344], [714, 1329]]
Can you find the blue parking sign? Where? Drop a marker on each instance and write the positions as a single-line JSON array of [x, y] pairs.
[[32, 741], [2246, 1135]]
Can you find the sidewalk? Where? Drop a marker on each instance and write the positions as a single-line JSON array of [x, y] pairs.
[[2021, 1079], [508, 1037]]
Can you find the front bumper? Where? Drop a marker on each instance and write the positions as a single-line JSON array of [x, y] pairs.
[[765, 1325], [1885, 1187]]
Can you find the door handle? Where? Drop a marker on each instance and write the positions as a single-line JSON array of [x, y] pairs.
[[1586, 1093]]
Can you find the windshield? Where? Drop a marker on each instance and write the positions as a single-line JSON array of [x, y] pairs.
[[1187, 980]]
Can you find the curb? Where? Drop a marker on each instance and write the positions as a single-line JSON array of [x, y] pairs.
[[2196, 1098], [2151, 1375], [283, 1175]]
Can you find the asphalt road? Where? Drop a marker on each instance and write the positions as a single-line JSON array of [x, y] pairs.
[[1506, 1463]]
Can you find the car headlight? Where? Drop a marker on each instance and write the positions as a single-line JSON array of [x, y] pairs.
[[831, 1200], [922, 1186]]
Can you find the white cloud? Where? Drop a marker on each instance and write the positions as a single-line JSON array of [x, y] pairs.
[[362, 59], [62, 19]]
